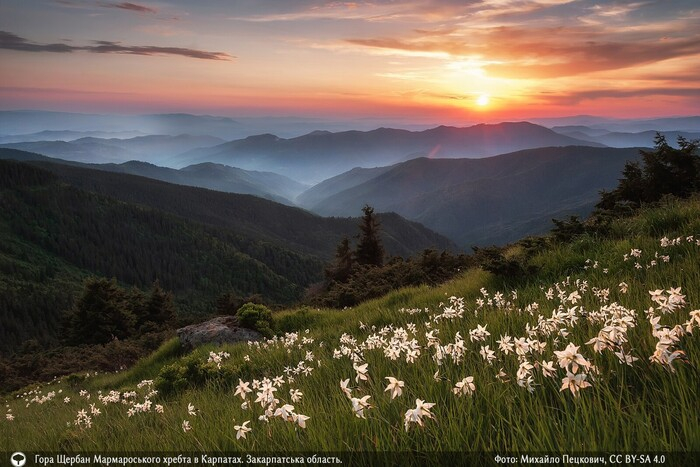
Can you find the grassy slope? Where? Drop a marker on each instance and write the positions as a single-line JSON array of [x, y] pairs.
[[642, 407]]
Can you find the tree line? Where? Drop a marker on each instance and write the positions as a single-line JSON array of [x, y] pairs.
[[364, 272]]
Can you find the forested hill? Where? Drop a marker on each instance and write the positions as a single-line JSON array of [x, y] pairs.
[[251, 217], [54, 234]]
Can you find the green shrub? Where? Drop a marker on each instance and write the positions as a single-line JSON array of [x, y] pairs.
[[194, 371], [257, 317]]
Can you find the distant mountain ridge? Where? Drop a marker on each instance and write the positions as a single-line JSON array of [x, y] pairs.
[[485, 201], [319, 155], [15, 122], [617, 139], [206, 175], [624, 125], [67, 135], [93, 150]]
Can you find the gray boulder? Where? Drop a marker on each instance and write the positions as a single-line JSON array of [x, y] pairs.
[[220, 330]]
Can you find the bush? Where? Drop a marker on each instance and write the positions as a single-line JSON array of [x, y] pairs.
[[256, 317], [193, 371], [492, 260]]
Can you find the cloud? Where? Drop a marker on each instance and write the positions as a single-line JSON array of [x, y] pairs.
[[590, 56], [522, 52], [9, 41], [576, 97], [129, 6]]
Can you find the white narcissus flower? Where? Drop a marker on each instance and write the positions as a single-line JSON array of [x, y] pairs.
[[412, 416], [285, 412], [424, 408], [295, 394], [186, 426], [394, 386], [361, 372], [416, 415], [300, 420], [242, 389], [570, 356], [573, 297], [487, 354], [505, 345], [547, 368], [359, 405], [159, 408], [191, 410], [466, 386], [574, 382], [241, 430], [345, 389]]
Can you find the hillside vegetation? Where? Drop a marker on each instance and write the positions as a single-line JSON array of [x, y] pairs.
[[54, 235], [61, 224], [598, 351]]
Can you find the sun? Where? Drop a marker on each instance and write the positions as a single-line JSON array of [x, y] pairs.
[[482, 100]]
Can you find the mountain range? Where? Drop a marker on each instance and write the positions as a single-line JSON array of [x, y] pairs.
[[150, 148], [617, 139], [205, 175], [322, 154], [310, 158], [484, 201]]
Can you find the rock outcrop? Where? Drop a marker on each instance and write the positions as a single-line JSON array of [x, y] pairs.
[[220, 330]]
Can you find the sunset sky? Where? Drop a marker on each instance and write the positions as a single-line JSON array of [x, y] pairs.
[[442, 60]]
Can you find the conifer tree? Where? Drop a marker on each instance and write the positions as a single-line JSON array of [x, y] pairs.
[[228, 303], [341, 270], [160, 308], [100, 315], [663, 171], [370, 250]]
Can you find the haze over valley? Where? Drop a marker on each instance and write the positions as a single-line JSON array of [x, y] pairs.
[[476, 185]]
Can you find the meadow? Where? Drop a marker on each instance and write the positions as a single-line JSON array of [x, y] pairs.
[[596, 352]]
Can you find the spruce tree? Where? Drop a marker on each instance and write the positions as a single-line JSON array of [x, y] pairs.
[[100, 315], [160, 309], [663, 171], [341, 270], [370, 250]]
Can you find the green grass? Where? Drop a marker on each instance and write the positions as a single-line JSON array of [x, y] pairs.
[[643, 407]]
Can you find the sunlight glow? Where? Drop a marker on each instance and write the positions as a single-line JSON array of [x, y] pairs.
[[482, 100]]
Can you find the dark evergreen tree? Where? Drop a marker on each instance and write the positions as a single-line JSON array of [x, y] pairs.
[[664, 171], [136, 303], [160, 309], [228, 303], [567, 229], [341, 269], [370, 250], [100, 315]]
